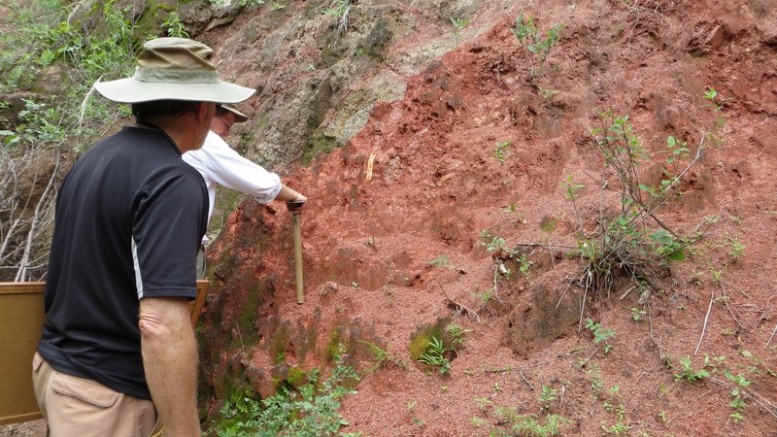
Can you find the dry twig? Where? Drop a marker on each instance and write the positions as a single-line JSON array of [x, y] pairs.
[[706, 319], [730, 311], [472, 314], [770, 337]]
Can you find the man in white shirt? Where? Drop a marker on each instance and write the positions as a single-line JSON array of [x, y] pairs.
[[219, 164]]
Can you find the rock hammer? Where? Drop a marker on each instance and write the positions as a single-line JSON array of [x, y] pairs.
[[295, 207]]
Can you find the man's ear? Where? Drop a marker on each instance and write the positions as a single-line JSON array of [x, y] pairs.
[[205, 112]]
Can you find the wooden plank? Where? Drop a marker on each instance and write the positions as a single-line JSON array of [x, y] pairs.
[[21, 321]]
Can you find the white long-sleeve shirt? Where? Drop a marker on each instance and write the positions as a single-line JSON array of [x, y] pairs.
[[220, 165]]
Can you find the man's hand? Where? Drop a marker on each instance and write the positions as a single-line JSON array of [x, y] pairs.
[[294, 200]]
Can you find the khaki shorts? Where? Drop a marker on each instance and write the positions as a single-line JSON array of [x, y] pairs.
[[77, 407]]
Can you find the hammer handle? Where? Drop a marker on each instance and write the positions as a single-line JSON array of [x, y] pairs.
[[298, 257]]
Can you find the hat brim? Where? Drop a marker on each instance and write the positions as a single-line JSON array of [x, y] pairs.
[[239, 116], [130, 90]]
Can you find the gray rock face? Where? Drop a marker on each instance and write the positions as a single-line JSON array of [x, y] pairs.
[[319, 70]]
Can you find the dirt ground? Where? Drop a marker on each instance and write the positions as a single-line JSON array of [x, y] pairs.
[[394, 235]]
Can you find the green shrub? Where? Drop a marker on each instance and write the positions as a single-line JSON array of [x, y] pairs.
[[632, 240], [310, 411]]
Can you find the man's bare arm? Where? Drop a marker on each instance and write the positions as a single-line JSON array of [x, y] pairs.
[[170, 361]]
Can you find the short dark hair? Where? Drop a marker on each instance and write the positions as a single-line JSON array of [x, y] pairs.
[[163, 108]]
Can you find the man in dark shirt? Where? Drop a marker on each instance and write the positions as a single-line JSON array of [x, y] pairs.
[[117, 355]]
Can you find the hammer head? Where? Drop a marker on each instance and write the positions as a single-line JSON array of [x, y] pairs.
[[295, 206]]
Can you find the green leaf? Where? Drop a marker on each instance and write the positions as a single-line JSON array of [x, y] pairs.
[[677, 255]]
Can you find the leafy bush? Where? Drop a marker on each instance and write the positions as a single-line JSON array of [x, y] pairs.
[[310, 411], [50, 37], [49, 47], [632, 240]]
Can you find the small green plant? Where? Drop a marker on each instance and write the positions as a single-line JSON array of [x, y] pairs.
[[483, 403], [620, 427], [501, 151], [571, 188], [530, 425], [456, 334], [493, 243], [597, 384], [337, 8], [277, 6], [601, 334], [485, 297], [547, 94], [440, 349], [174, 27], [539, 44], [736, 248], [512, 208], [595, 373], [677, 150], [435, 356], [737, 395], [547, 397], [459, 23], [503, 255], [524, 264], [477, 422], [548, 224], [382, 358], [687, 373], [340, 10], [710, 94], [713, 97], [240, 3], [441, 262], [638, 314]]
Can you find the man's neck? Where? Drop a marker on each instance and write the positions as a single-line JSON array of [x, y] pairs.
[[180, 129]]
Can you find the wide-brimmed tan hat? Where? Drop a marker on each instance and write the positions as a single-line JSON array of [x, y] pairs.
[[174, 69], [239, 116]]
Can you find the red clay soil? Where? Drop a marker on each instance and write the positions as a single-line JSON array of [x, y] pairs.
[[399, 249], [388, 253]]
